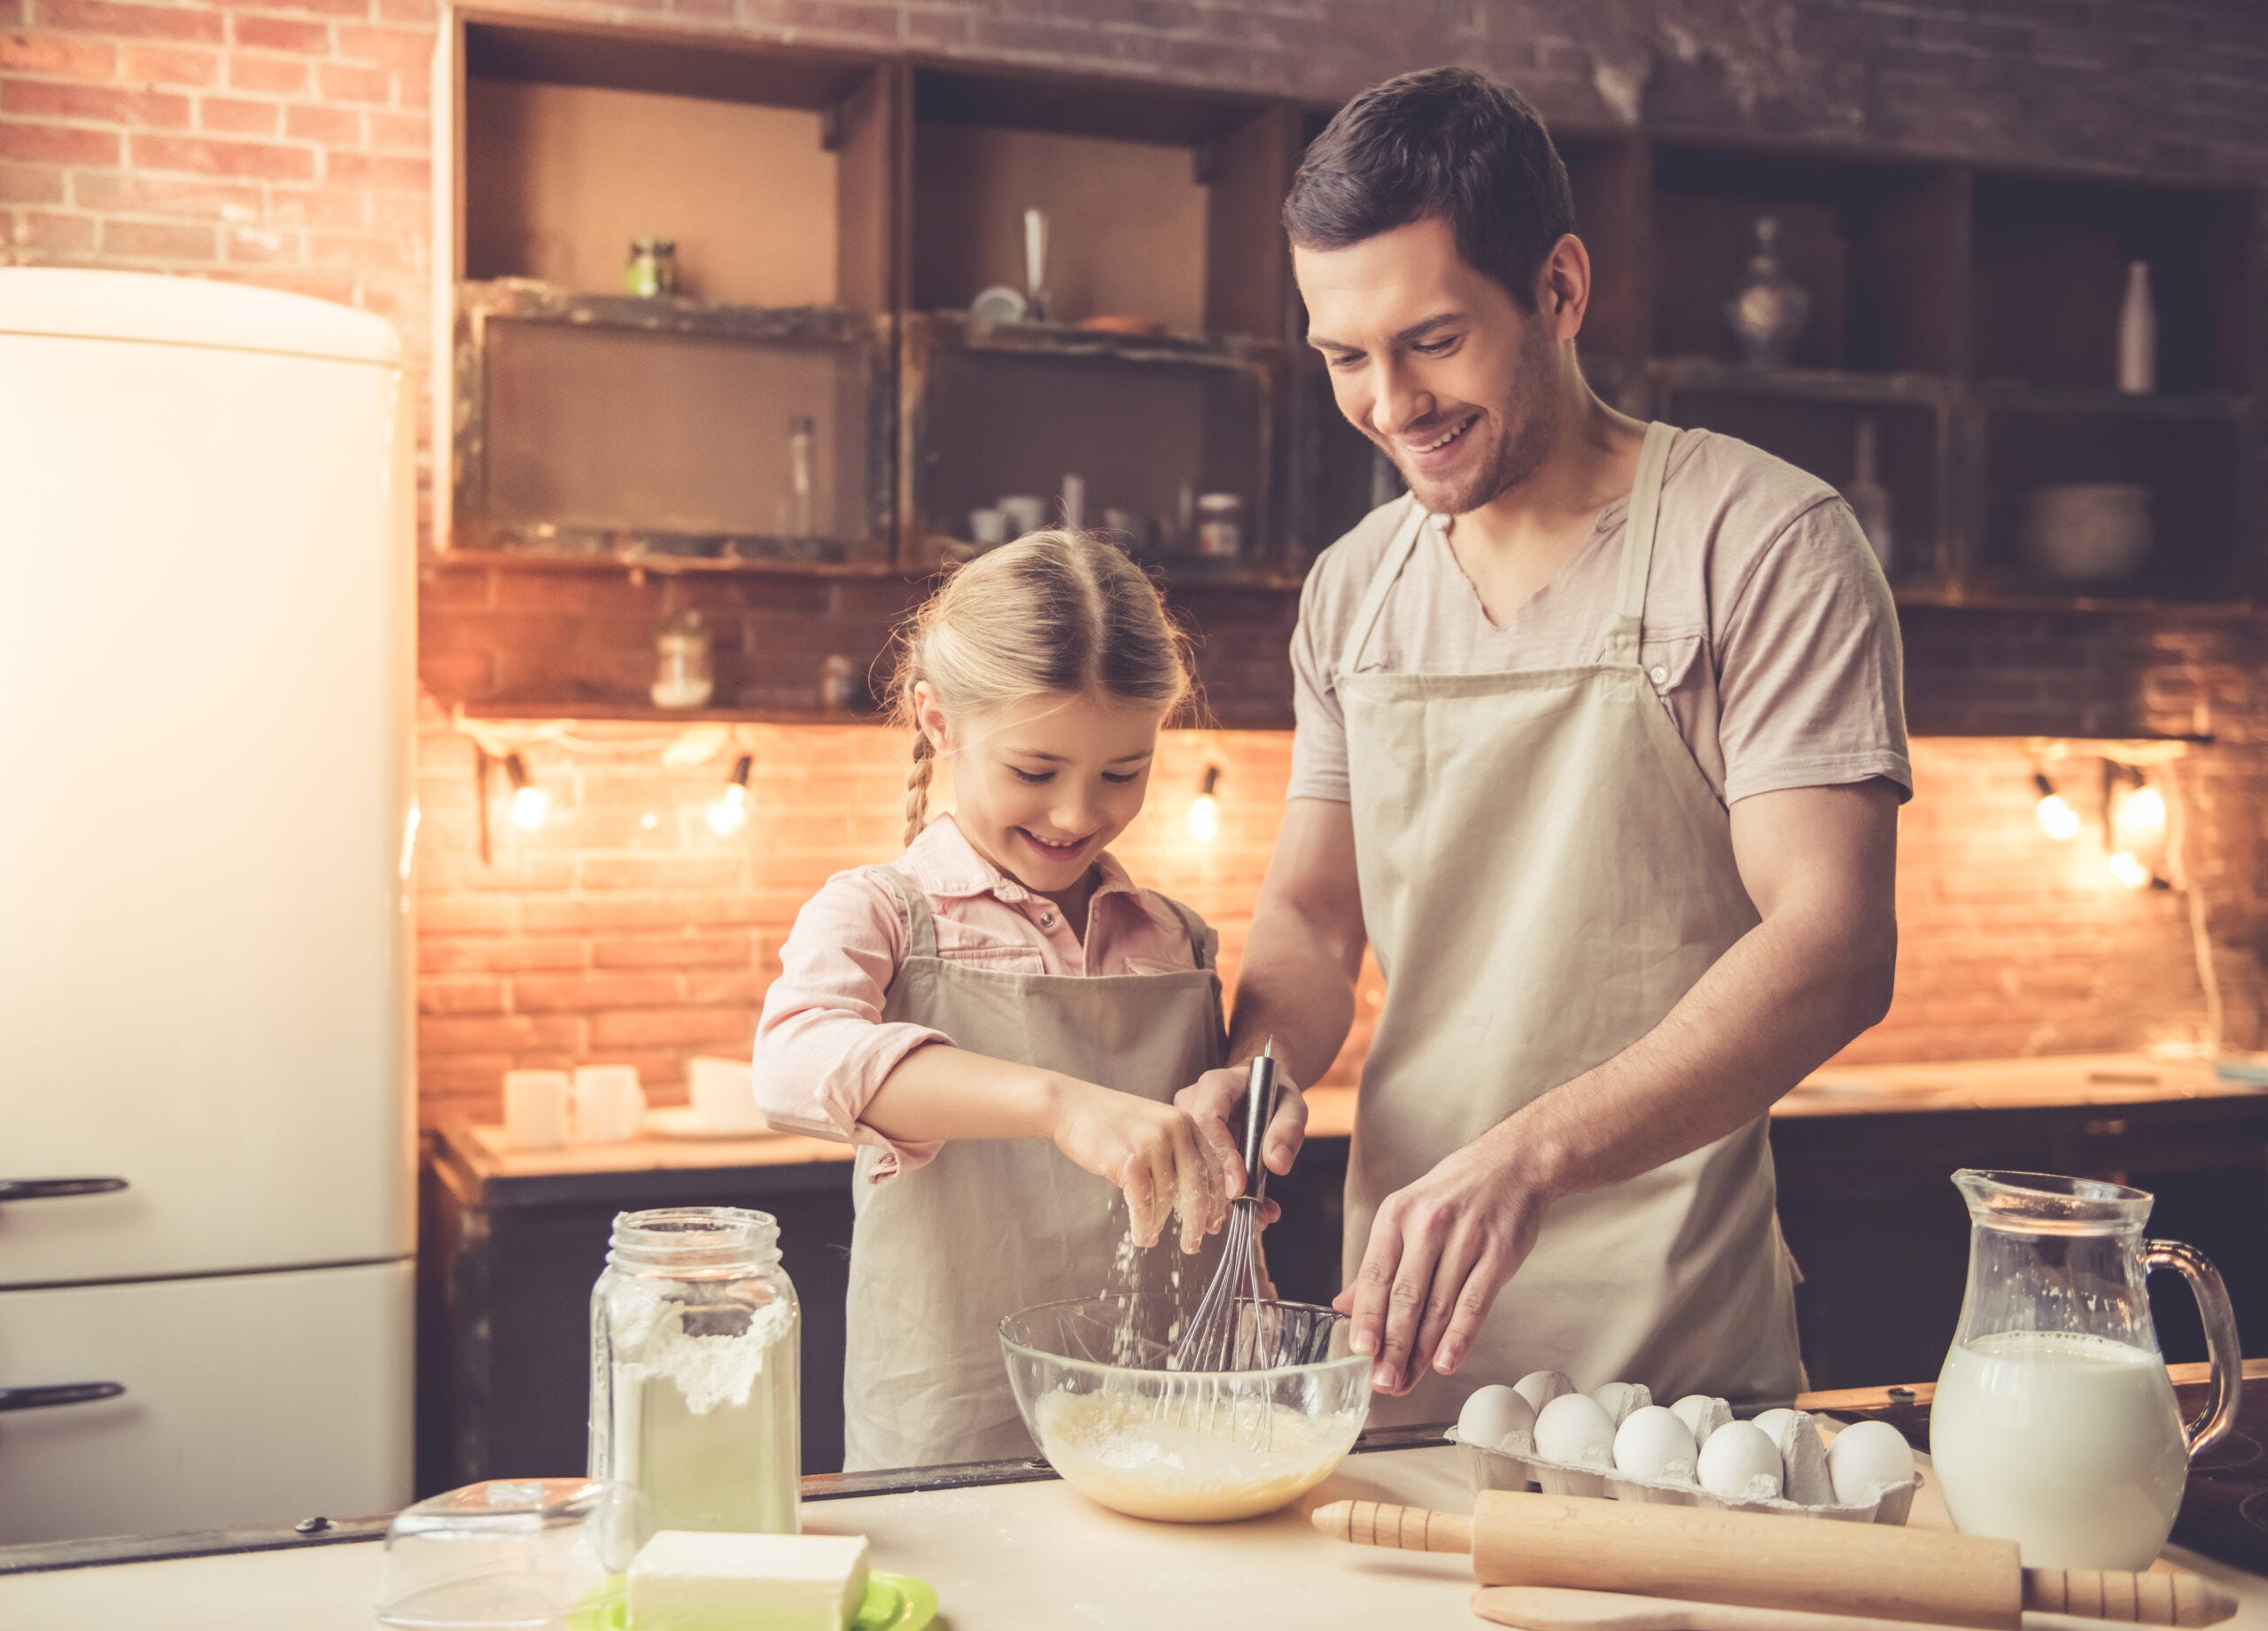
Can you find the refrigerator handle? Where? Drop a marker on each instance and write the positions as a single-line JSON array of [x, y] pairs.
[[63, 1392], [49, 1189]]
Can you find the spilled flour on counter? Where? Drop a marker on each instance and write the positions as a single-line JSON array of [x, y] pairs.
[[1249, 1457]]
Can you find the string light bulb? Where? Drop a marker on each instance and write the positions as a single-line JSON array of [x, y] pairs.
[[1205, 808], [2127, 869], [729, 813], [531, 805], [2143, 811], [2057, 819]]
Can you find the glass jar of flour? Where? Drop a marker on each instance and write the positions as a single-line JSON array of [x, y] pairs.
[[694, 1338]]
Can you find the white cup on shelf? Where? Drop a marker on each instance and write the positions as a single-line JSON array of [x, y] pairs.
[[536, 1109], [609, 1105], [724, 1095]]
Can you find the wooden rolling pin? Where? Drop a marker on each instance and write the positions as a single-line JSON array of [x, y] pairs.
[[1554, 1608], [1764, 1560]]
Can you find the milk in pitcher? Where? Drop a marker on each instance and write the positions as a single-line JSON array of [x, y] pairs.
[[2068, 1443]]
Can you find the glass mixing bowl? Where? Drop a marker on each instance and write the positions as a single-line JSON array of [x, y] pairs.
[[1093, 1381]]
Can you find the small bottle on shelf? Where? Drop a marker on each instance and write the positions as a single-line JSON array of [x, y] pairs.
[[2138, 333], [1868, 498], [652, 269], [800, 520]]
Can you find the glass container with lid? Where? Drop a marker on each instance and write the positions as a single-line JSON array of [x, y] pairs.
[[509, 1552], [695, 1343]]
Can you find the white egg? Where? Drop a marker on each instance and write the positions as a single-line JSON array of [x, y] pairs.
[[1740, 1464], [1866, 1458], [1575, 1430], [1774, 1423], [1495, 1418], [1653, 1443], [1541, 1387], [1618, 1398], [1702, 1414]]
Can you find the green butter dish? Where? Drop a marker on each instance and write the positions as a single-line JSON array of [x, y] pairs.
[[894, 1603]]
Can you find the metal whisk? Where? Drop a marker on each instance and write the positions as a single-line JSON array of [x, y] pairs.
[[1227, 1333]]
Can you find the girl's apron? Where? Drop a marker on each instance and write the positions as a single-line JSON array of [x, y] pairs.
[[1544, 874], [940, 1254]]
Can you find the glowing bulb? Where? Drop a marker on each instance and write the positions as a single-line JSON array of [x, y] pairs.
[[1205, 808], [2127, 870], [531, 805], [2057, 819], [2143, 810], [729, 813]]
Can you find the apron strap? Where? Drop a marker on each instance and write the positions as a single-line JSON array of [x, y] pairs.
[[1396, 557], [1202, 940], [1638, 541], [920, 924]]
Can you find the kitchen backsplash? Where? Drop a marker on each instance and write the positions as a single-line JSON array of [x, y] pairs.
[[626, 929]]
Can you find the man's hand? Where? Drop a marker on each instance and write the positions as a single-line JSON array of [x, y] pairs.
[[1439, 1252], [1215, 1102]]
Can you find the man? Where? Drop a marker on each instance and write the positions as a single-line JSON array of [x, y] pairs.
[[1600, 745]]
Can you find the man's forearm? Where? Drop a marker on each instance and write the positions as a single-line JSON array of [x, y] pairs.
[[1297, 986], [1779, 1002]]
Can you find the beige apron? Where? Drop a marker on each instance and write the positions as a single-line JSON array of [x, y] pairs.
[[940, 1254], [1544, 874]]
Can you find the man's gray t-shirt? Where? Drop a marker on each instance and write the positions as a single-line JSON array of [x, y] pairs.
[[1770, 632]]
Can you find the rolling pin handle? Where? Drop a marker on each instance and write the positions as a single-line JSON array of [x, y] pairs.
[[1397, 1528], [2170, 1599]]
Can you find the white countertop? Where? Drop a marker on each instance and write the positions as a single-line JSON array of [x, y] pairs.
[[1004, 1557]]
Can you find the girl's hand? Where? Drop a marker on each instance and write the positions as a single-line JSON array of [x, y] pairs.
[[1151, 1151]]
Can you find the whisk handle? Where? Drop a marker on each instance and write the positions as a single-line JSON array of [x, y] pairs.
[[1259, 1105]]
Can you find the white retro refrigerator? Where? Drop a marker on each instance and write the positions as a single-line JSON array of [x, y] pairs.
[[207, 1126]]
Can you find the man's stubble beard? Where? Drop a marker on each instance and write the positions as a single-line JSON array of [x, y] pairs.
[[1514, 457]]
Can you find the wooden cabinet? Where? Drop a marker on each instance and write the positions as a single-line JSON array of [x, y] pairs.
[[1883, 1238]]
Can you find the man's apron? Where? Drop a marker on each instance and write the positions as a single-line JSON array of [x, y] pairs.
[[940, 1254], [1545, 872]]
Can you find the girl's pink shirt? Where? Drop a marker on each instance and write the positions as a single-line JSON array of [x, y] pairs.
[[823, 1046]]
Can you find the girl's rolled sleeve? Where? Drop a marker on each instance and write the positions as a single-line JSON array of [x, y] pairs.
[[822, 1047]]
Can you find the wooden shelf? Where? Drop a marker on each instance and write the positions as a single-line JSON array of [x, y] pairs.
[[1071, 340], [646, 713], [1884, 390], [1955, 597], [2207, 407], [538, 561]]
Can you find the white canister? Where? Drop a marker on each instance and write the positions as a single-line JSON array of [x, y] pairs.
[[2086, 531], [1027, 512], [724, 1096], [609, 1105], [535, 1109]]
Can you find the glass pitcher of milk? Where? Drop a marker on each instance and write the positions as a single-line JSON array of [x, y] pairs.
[[2054, 1424]]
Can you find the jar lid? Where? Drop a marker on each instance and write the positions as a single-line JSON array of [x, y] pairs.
[[1220, 501], [653, 246]]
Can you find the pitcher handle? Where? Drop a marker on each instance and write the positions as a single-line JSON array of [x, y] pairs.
[[2222, 1347]]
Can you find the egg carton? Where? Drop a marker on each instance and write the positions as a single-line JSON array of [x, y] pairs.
[[1503, 1468]]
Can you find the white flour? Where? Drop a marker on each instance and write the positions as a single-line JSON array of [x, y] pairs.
[[705, 1409]]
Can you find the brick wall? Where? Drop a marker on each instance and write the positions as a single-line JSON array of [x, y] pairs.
[[286, 144], [625, 930]]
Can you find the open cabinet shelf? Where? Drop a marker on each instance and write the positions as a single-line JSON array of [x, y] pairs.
[[836, 214]]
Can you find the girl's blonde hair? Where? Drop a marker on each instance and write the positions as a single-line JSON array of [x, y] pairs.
[[1060, 613]]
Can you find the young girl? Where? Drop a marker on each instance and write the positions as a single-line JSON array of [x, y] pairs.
[[1000, 1020]]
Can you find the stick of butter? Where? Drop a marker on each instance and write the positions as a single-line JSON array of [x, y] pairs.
[[685, 1581]]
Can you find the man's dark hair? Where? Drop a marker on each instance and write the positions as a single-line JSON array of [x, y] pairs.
[[1446, 141]]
